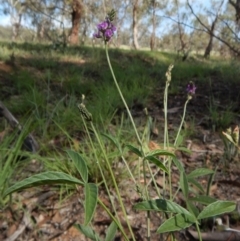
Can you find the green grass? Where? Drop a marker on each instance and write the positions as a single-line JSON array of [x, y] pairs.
[[46, 85]]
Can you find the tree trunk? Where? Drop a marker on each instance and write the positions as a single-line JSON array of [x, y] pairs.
[[208, 48], [153, 35], [210, 43], [135, 25], [236, 5], [77, 11]]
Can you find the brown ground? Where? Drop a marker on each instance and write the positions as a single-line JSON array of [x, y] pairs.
[[41, 214]]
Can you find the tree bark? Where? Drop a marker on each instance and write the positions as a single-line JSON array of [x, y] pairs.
[[77, 12], [135, 25], [236, 5], [210, 42], [153, 35]]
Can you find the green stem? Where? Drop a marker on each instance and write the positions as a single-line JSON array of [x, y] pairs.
[[121, 95], [113, 218], [180, 127], [165, 116], [199, 232], [114, 181], [136, 132], [166, 144], [99, 166]]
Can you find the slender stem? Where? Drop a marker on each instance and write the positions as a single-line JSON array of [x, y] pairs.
[[121, 95], [199, 232], [136, 132], [113, 218], [114, 181], [99, 166], [165, 133], [180, 127], [165, 116]]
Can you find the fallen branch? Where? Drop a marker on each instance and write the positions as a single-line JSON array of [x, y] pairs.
[[29, 143], [214, 236]]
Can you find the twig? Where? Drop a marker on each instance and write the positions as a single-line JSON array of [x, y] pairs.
[[30, 144]]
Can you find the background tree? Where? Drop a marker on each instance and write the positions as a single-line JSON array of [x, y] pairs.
[[209, 27], [15, 9], [77, 13], [135, 11], [236, 6]]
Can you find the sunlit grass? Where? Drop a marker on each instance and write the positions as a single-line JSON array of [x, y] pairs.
[[47, 85]]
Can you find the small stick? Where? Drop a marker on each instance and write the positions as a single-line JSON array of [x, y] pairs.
[[30, 144]]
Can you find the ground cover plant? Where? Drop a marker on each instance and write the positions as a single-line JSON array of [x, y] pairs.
[[98, 145]]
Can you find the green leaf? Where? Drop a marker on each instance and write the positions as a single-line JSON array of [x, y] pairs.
[[80, 164], [114, 141], [88, 232], [162, 205], [184, 184], [134, 150], [43, 179], [178, 164], [160, 153], [210, 181], [91, 194], [229, 137], [184, 149], [176, 223], [111, 232], [217, 208], [157, 162], [192, 208], [203, 199], [199, 172], [196, 183]]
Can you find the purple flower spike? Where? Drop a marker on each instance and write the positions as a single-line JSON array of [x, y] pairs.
[[102, 26], [105, 30], [191, 88], [97, 35]]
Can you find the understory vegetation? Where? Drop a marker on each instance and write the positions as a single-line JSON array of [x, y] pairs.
[[67, 99]]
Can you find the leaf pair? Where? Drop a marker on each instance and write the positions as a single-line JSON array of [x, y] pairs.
[[183, 217], [90, 189]]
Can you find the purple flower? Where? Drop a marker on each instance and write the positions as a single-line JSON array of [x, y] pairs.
[[105, 30], [191, 88], [102, 26]]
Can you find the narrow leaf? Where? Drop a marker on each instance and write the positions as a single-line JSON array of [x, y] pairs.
[[184, 184], [184, 149], [91, 194], [199, 172], [196, 184], [157, 162], [111, 232], [114, 141], [88, 232], [80, 164], [210, 181], [192, 208], [229, 137], [217, 208], [160, 153], [162, 205], [203, 199], [134, 150], [43, 179], [178, 164], [176, 223]]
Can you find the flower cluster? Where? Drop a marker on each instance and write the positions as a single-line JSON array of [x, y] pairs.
[[105, 30], [191, 88]]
